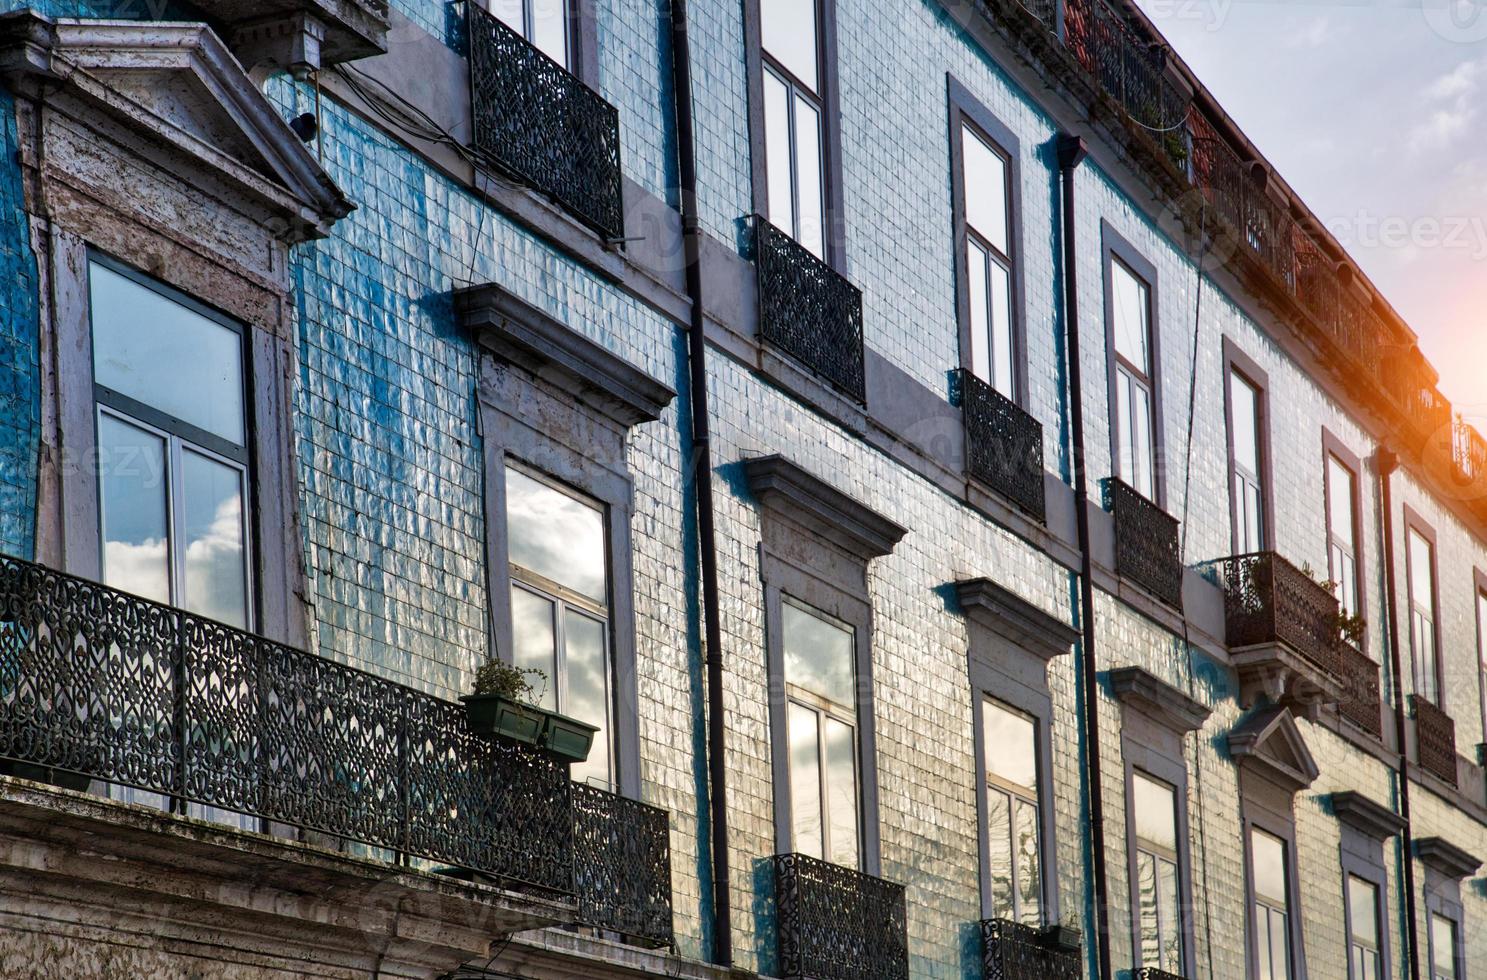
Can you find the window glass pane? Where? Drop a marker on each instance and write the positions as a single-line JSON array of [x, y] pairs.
[[1269, 856], [1244, 405], [788, 31], [999, 857], [1482, 627], [818, 655], [1422, 589], [133, 494], [1133, 425], [777, 140], [550, 29], [805, 781], [1156, 811], [1029, 873], [1280, 948], [1146, 891], [171, 358], [587, 674], [1443, 946], [1011, 746], [555, 536], [808, 177], [532, 642], [511, 12], [841, 793], [216, 584], [985, 189], [982, 344], [1363, 897], [1340, 502], [1170, 920], [1131, 313], [1001, 328]]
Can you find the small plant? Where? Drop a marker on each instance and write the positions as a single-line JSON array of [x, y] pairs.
[[1351, 627], [498, 678]]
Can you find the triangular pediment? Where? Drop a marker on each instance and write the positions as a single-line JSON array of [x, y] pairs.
[[1270, 744], [178, 88]]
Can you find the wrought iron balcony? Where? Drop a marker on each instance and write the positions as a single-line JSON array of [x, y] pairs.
[[622, 866], [809, 311], [1013, 951], [538, 123], [1004, 444], [1361, 702], [1435, 739], [838, 924], [1152, 973], [1147, 547]]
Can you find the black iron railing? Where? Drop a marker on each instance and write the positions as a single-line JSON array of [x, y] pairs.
[[536, 121], [622, 868], [1269, 600], [835, 923], [1147, 546], [1013, 951], [808, 310], [1435, 739], [1152, 973], [1004, 444], [1360, 702]]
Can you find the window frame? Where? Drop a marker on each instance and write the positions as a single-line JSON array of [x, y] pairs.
[[1414, 522], [1236, 362], [1115, 248], [986, 780], [827, 100], [966, 111], [1159, 763], [1285, 833], [1333, 447], [1479, 614], [583, 40], [1445, 908], [1361, 856]]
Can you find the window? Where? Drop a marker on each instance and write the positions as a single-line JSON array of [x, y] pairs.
[[172, 447], [544, 23], [1365, 943], [821, 727], [986, 173], [1135, 439], [1246, 432], [560, 605], [794, 119], [1420, 559], [1342, 530], [1481, 610], [1160, 928], [1271, 920], [1012, 813], [1442, 947]]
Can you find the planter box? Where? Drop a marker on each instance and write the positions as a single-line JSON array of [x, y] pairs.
[[566, 739]]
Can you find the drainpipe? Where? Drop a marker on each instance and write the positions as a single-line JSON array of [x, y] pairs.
[[1071, 152], [702, 477], [1387, 462]]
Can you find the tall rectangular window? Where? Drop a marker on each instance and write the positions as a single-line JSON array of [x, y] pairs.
[[1481, 610], [1342, 525], [794, 119], [1157, 884], [1130, 298], [169, 387], [1012, 813], [1269, 875], [821, 726], [1420, 557], [1364, 939], [1246, 435], [1442, 947], [986, 179], [560, 606], [544, 23]]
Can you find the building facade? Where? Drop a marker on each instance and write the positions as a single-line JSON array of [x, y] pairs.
[[993, 528]]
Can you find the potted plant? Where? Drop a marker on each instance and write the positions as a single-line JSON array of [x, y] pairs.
[[504, 703]]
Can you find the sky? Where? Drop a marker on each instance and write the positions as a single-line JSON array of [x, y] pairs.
[[1375, 113]]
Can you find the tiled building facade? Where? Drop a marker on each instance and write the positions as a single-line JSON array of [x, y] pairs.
[[442, 292]]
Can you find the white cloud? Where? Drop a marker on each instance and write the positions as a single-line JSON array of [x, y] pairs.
[[1454, 96], [1314, 34]]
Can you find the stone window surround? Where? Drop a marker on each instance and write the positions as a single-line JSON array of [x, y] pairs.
[[1238, 362], [1414, 521], [834, 234], [815, 546], [1479, 592], [1333, 446], [1364, 826], [1113, 245], [1446, 865], [1156, 719], [535, 368], [967, 110], [1010, 643]]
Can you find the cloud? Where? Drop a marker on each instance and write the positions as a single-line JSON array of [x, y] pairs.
[[1315, 33], [1453, 100]]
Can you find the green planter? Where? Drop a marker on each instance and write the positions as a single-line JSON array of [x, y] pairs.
[[492, 714], [567, 739]]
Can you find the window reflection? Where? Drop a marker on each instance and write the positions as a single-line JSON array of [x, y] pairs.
[[1154, 810], [1013, 821]]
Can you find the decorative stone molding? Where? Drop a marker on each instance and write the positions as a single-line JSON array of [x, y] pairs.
[[796, 495], [520, 333], [1269, 744], [178, 91], [299, 36], [1445, 857], [1014, 618], [1156, 699], [1366, 816]]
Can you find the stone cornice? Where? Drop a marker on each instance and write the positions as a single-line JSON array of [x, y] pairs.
[[1009, 615], [1447, 858], [1158, 700], [1363, 814], [800, 496], [1263, 741]]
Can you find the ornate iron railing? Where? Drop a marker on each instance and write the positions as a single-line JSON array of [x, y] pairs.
[[808, 310], [1152, 973], [1004, 444], [536, 121], [1013, 951], [112, 687], [622, 866], [1147, 546], [1435, 739], [1269, 600], [1360, 702], [835, 923]]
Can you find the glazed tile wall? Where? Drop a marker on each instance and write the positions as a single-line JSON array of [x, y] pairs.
[[20, 398]]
